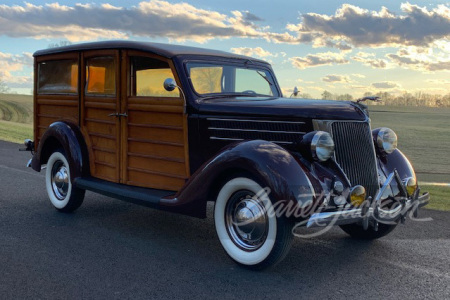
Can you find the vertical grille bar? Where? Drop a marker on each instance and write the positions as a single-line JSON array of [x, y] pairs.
[[355, 154]]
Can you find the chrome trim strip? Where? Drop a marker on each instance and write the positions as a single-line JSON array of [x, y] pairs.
[[225, 139], [256, 130], [256, 121], [236, 139]]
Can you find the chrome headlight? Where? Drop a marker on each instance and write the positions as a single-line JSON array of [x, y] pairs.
[[386, 140], [322, 146]]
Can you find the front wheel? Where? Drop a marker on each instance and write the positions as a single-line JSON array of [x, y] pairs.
[[247, 226], [63, 195]]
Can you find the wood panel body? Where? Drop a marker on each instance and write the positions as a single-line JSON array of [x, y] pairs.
[[51, 108], [154, 150], [102, 131], [146, 148]]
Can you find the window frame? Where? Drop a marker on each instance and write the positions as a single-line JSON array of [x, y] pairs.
[[239, 64], [132, 76], [57, 57], [172, 101]]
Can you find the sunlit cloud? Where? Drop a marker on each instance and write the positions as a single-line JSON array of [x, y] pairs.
[[10, 65], [385, 85], [421, 59], [318, 59], [255, 52], [369, 59], [155, 18], [362, 28], [334, 78]]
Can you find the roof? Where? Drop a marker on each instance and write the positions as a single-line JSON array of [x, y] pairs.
[[165, 50]]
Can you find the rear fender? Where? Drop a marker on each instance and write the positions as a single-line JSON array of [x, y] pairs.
[[67, 136]]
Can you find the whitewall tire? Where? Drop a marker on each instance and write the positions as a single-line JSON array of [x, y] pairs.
[[247, 227], [61, 192]]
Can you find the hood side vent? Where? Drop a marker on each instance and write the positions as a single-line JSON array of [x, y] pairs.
[[280, 132]]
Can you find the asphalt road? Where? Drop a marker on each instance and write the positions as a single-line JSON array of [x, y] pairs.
[[110, 249]]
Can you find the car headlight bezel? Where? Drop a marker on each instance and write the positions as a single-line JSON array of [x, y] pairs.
[[386, 140], [318, 145]]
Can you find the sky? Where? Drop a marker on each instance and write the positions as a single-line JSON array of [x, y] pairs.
[[343, 47]]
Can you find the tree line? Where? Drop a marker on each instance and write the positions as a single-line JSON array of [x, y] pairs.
[[405, 99]]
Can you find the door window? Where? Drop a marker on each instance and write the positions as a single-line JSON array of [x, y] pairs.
[[101, 76], [147, 77]]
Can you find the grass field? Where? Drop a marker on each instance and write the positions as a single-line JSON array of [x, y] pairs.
[[440, 197], [423, 135], [16, 117], [15, 132]]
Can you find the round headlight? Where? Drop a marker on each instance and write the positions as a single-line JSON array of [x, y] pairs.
[[386, 140], [322, 146]]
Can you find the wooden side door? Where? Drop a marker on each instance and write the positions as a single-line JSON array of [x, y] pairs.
[[154, 134], [100, 102]]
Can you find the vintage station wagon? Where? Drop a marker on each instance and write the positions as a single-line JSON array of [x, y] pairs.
[[173, 127]]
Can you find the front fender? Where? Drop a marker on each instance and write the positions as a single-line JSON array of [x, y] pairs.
[[397, 160], [67, 136], [270, 164]]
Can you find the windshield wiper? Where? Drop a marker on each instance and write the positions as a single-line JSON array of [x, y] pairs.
[[265, 77]]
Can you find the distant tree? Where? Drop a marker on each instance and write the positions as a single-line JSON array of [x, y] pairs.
[[344, 97], [3, 87], [326, 95], [305, 96], [59, 44]]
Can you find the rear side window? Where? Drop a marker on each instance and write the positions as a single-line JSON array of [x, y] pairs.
[[101, 76], [147, 77], [58, 77]]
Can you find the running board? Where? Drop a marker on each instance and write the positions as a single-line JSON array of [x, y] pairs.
[[137, 195]]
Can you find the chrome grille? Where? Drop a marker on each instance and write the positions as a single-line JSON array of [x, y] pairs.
[[354, 152]]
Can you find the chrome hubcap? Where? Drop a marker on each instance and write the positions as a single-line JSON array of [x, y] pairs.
[[60, 180], [246, 220]]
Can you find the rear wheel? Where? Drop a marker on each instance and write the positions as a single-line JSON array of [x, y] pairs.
[[248, 229], [61, 192]]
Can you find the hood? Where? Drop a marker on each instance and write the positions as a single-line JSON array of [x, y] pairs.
[[282, 108]]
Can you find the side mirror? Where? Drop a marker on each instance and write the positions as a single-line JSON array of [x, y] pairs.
[[295, 92], [170, 84]]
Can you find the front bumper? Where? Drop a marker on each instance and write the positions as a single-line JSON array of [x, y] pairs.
[[372, 213]]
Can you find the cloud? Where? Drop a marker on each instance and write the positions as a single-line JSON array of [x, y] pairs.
[[438, 81], [368, 59], [349, 27], [385, 85], [364, 28], [421, 59], [154, 18], [318, 59], [336, 78], [358, 75], [258, 51], [252, 17], [11, 64]]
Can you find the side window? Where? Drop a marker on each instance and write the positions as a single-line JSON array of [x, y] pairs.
[[58, 77], [101, 76], [147, 77]]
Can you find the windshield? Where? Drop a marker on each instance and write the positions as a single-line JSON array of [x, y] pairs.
[[211, 79]]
